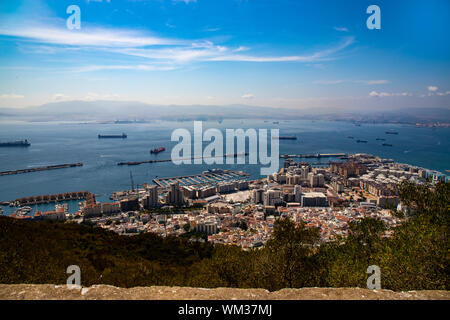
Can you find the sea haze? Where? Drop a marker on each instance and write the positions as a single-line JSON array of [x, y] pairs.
[[129, 110]]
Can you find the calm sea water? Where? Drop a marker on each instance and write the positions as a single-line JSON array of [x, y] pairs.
[[57, 143]]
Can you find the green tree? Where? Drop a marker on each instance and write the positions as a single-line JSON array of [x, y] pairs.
[[287, 259]]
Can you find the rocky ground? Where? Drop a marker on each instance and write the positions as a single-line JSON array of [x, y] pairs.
[[104, 292]]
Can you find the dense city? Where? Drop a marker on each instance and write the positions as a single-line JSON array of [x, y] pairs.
[[221, 206]]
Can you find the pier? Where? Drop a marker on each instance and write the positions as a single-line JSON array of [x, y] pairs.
[[136, 163], [317, 155], [59, 166], [51, 198]]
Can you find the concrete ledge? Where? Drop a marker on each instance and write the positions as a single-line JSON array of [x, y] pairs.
[[105, 292]]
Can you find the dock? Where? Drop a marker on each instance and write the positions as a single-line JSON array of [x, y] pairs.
[[207, 177], [58, 166], [136, 163], [317, 155]]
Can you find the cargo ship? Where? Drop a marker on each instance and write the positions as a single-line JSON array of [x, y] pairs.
[[157, 150], [286, 137], [112, 136], [19, 143]]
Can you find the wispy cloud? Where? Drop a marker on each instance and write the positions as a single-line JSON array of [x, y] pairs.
[[433, 90], [91, 68], [322, 55], [185, 1], [388, 94], [92, 96], [247, 96], [60, 97], [341, 29], [152, 49], [92, 37], [212, 29], [367, 82], [374, 81], [11, 96]]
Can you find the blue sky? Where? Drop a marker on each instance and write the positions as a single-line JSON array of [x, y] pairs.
[[284, 53]]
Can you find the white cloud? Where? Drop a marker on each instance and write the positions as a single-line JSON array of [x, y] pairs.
[[125, 67], [185, 1], [247, 96], [92, 96], [388, 94], [52, 40], [86, 37], [317, 56], [212, 29], [341, 29], [432, 88], [11, 96], [60, 96], [328, 82], [368, 82], [375, 81]]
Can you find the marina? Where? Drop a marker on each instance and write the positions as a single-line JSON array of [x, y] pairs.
[[207, 177]]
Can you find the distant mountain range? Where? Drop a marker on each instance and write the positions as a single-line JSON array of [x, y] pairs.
[[121, 110]]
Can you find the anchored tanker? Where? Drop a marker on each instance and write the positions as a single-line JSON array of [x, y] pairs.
[[112, 136], [285, 138], [19, 143]]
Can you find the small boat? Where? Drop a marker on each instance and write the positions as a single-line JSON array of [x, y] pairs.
[[157, 150], [350, 137], [361, 141], [387, 145], [391, 132], [381, 139]]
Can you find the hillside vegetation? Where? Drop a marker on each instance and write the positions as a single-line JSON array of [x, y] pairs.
[[415, 258]]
